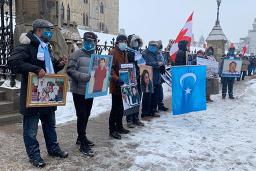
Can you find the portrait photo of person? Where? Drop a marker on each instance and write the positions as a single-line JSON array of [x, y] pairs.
[[100, 75], [134, 95], [232, 67], [146, 82]]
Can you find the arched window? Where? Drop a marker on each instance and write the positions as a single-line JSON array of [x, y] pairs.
[[84, 19], [87, 20], [68, 13], [101, 8], [62, 12]]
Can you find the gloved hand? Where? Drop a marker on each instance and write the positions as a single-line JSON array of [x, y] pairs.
[[119, 82], [162, 69]]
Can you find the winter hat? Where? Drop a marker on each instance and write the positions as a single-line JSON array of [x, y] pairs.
[[160, 44], [90, 36], [134, 38], [121, 37], [153, 43], [40, 23]]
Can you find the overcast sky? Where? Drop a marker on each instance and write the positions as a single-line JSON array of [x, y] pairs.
[[163, 19]]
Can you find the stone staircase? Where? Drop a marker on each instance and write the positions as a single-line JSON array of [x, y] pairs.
[[9, 105]]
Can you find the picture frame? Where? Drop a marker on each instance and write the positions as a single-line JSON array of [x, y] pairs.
[[146, 79], [100, 70], [51, 90], [231, 68]]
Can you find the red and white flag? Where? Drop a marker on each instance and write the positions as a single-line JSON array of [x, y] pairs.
[[185, 34], [244, 49]]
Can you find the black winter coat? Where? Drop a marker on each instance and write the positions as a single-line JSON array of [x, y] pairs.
[[24, 60], [181, 54]]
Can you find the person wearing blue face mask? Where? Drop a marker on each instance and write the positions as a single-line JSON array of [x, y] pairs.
[[78, 71], [34, 55], [150, 100], [116, 114]]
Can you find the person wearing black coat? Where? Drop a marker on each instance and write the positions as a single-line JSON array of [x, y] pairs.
[[134, 42], [27, 58], [181, 56]]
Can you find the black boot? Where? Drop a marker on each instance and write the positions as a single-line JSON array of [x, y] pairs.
[[139, 123], [58, 153], [78, 142], [123, 131], [231, 97], [86, 150], [163, 108], [38, 162], [115, 135]]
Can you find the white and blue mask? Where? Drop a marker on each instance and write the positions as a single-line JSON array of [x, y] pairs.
[[122, 46], [89, 46]]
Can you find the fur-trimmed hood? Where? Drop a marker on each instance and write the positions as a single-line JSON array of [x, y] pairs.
[[28, 38], [133, 39]]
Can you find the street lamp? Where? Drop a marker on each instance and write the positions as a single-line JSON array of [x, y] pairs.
[[218, 12]]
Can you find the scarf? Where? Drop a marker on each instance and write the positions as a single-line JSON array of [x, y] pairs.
[[43, 54]]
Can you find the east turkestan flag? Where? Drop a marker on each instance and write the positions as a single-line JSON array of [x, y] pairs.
[[188, 89]]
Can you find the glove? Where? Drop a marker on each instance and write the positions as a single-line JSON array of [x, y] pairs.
[[162, 69], [119, 82]]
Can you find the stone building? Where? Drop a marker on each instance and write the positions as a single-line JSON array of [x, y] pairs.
[[249, 40], [95, 15]]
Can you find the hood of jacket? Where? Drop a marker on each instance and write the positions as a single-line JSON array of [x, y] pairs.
[[136, 38], [28, 38], [183, 45]]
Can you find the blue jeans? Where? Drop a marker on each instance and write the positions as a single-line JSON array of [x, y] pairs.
[[30, 128]]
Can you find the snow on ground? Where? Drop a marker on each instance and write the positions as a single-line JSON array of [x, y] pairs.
[[221, 138], [100, 105]]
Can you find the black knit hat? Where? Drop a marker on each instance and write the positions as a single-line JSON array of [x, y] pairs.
[[90, 36], [121, 38]]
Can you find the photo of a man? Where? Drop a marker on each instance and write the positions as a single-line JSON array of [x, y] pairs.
[[100, 75], [232, 67]]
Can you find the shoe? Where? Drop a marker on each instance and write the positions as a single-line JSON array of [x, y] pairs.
[[115, 135], [59, 153], [231, 97], [223, 97], [139, 123], [38, 163], [90, 143], [86, 150], [130, 125], [163, 108], [155, 115], [123, 131]]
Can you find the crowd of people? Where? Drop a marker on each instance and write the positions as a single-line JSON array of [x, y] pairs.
[[34, 55]]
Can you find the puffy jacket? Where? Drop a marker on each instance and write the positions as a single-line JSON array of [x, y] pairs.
[[152, 59], [24, 60], [181, 54], [119, 58], [78, 71]]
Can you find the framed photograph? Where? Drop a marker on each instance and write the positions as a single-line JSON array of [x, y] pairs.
[[231, 68], [131, 99], [50, 90], [212, 67], [146, 79], [100, 69], [130, 68]]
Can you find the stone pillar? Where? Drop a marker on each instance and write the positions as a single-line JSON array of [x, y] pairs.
[[29, 10]]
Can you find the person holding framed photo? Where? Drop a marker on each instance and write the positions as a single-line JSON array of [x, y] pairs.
[[34, 55], [78, 71]]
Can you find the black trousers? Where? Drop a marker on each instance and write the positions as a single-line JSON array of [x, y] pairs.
[[155, 97], [146, 104], [227, 84], [116, 114], [83, 110]]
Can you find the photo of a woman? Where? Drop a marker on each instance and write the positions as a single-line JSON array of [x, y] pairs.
[[146, 82]]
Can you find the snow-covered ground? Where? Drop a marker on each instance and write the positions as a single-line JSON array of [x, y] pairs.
[[219, 139]]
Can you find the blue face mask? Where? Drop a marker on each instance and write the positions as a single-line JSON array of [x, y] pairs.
[[89, 46], [122, 46], [47, 35], [152, 49]]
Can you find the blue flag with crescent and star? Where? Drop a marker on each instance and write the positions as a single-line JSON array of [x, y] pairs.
[[188, 89]]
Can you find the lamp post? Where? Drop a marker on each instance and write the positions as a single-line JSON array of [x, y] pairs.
[[218, 12]]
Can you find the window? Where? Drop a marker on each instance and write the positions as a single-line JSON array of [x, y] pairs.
[[87, 20], [84, 19], [101, 8], [68, 13], [62, 12]]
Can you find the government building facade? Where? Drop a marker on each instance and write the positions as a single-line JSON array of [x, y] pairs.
[[94, 15]]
